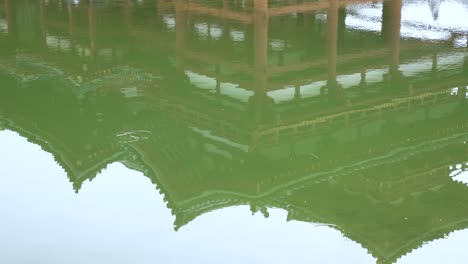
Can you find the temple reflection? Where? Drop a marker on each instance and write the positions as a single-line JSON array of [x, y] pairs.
[[321, 108]]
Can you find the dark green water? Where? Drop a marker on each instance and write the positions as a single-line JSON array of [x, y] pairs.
[[233, 131]]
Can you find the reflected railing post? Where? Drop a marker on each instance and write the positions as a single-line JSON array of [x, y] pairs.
[[434, 65], [363, 81], [462, 92], [218, 82]]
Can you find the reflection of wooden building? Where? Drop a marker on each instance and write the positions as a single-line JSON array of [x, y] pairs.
[[301, 85], [371, 181], [365, 150], [287, 113], [318, 50], [373, 193]]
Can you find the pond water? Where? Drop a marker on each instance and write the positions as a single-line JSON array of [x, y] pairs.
[[234, 131]]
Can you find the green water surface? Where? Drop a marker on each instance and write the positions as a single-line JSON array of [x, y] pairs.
[[209, 131]]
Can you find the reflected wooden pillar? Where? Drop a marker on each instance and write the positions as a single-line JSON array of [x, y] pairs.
[[181, 33], [128, 16], [9, 46], [260, 58], [92, 28], [386, 17], [309, 20], [332, 40], [226, 27], [159, 8], [159, 14], [261, 46], [342, 12], [249, 43], [43, 19], [71, 26], [310, 27], [9, 16], [395, 34]]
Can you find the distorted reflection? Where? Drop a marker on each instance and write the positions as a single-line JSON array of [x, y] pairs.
[[348, 114]]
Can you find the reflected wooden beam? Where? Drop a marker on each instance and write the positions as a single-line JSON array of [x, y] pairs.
[[382, 53], [310, 6], [245, 17], [222, 13], [205, 58]]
